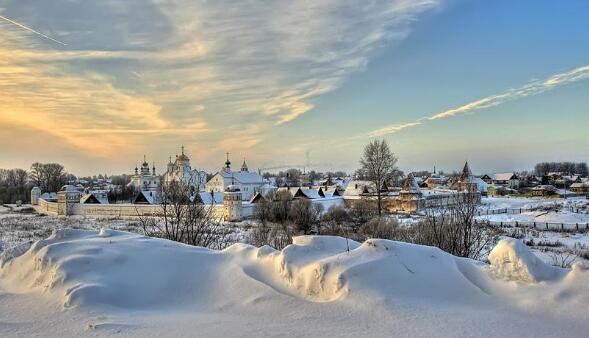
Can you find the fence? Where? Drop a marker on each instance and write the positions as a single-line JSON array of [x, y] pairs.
[[545, 226], [515, 211]]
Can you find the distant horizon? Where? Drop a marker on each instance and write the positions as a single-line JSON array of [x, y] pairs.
[[161, 168], [500, 84]]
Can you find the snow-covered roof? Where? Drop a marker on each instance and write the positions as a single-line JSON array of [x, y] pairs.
[[243, 177], [211, 197], [580, 185], [331, 191], [94, 197], [504, 176], [359, 187], [311, 193], [49, 196], [409, 185], [149, 196], [481, 184], [68, 188]]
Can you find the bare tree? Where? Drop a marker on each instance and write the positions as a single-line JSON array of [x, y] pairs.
[[378, 164], [454, 229], [182, 218]]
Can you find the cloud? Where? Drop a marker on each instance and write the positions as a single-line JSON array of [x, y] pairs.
[[31, 30], [216, 74], [392, 129], [534, 87]]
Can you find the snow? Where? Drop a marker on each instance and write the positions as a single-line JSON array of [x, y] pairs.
[[511, 259], [96, 283]]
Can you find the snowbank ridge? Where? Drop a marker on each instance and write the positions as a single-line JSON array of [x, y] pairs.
[[512, 260], [123, 270]]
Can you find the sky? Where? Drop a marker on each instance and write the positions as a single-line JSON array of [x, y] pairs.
[[95, 85]]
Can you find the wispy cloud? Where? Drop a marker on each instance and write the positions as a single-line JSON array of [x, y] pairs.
[[31, 30], [392, 129], [532, 88], [239, 68]]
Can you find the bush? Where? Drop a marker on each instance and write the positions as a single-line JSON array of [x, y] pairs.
[[336, 214], [380, 227], [304, 214], [361, 212], [275, 235]]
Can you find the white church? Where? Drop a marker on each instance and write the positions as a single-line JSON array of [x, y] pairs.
[[145, 179], [180, 171], [243, 180]]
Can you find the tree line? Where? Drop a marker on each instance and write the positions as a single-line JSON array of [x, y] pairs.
[[571, 168], [16, 184]]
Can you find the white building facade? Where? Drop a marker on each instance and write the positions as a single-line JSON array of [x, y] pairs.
[[247, 182], [145, 179]]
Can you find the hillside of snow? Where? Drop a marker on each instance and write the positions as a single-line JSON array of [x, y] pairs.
[[96, 283]]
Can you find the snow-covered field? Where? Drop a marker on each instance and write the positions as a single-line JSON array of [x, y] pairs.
[[17, 227], [99, 283]]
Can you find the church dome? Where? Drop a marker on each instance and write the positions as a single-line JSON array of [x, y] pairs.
[[182, 157]]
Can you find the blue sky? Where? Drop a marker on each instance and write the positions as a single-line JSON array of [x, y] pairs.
[[289, 84]]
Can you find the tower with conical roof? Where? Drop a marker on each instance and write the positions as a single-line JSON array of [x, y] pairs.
[[411, 197], [466, 181], [244, 166]]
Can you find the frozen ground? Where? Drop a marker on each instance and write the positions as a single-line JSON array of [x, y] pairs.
[[17, 226], [531, 202], [91, 283]]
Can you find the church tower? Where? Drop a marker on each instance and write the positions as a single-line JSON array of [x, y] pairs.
[[244, 166], [227, 167], [232, 204]]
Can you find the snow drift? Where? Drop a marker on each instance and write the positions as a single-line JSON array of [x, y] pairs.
[[114, 272]]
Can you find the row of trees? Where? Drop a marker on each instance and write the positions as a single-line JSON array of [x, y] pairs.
[[16, 184], [49, 176], [579, 168], [294, 177], [13, 185]]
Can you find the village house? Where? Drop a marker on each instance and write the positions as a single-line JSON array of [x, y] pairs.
[[510, 180], [580, 188]]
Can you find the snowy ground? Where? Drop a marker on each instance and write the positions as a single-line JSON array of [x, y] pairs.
[[551, 246], [18, 226], [532, 202], [90, 283]]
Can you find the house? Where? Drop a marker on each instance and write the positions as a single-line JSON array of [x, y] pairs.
[[580, 188], [357, 188], [435, 181], [544, 190], [487, 179], [572, 179], [311, 193], [510, 180], [332, 191]]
